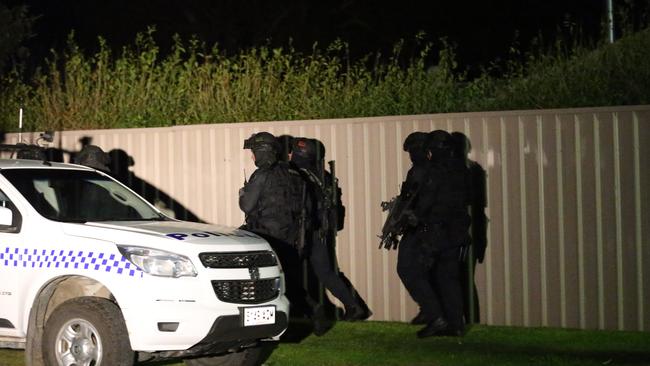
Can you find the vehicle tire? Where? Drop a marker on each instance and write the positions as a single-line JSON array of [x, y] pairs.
[[253, 356], [86, 331]]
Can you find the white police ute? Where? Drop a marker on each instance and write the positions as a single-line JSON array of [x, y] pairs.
[[92, 274]]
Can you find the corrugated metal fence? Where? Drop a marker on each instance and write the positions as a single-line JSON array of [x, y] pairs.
[[568, 202]]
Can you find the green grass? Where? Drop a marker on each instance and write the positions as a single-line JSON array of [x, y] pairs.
[[386, 343], [11, 357]]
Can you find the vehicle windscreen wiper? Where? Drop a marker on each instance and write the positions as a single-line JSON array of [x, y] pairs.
[[161, 218], [76, 221]]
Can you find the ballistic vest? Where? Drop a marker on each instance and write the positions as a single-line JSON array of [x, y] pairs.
[[280, 209]]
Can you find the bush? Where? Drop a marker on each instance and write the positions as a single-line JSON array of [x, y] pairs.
[[15, 28], [194, 84]]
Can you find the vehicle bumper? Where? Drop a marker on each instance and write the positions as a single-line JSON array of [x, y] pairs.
[[198, 327], [226, 335]]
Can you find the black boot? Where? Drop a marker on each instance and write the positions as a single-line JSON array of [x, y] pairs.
[[433, 328], [421, 319], [320, 322], [355, 312], [453, 331]]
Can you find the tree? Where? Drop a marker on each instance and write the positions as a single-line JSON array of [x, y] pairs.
[[15, 28]]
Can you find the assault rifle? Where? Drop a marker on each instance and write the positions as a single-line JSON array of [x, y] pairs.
[[399, 210], [333, 203], [327, 198], [303, 221]]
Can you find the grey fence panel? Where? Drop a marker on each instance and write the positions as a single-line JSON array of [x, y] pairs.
[[568, 202], [641, 143]]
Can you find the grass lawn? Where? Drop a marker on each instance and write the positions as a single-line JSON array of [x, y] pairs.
[[386, 343]]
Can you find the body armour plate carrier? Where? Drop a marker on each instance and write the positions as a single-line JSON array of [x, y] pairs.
[[279, 209]]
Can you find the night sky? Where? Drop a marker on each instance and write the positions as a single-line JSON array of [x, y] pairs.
[[482, 30]]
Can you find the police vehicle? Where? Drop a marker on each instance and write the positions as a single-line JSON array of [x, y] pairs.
[[92, 274]]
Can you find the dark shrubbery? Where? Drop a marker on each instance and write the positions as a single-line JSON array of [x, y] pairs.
[[192, 84]]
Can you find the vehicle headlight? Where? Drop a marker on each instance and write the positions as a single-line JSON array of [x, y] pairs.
[[158, 262]]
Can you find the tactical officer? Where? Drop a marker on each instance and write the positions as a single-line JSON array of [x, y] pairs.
[[432, 243], [93, 156], [307, 155], [274, 201], [412, 267], [449, 209]]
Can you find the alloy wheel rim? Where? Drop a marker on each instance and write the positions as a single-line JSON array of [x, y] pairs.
[[78, 344]]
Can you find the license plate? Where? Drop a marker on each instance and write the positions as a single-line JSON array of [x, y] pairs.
[[259, 315]]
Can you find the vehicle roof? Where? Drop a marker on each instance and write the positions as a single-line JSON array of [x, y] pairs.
[[37, 164]]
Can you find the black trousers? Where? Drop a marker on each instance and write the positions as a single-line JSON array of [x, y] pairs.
[[323, 267], [300, 301], [416, 265]]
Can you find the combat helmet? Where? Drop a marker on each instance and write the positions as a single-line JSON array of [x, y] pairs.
[[262, 141], [416, 145], [415, 140], [265, 148], [307, 153], [440, 145]]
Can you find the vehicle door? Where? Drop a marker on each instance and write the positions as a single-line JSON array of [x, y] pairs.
[[13, 258]]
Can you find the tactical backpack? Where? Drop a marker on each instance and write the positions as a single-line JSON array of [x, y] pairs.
[[280, 209]]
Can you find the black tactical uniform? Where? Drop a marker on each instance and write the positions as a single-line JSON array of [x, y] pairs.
[[273, 203], [452, 199], [433, 244], [412, 267], [307, 155]]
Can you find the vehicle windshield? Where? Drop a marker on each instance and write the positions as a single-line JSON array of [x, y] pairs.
[[79, 196]]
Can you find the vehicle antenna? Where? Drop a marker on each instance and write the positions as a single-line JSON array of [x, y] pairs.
[[20, 124]]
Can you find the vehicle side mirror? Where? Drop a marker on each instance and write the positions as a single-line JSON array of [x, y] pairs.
[[6, 216]]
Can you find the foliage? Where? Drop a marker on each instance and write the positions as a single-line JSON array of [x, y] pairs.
[[15, 28], [613, 74], [195, 84]]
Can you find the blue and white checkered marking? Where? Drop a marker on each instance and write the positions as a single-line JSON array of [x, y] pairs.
[[52, 258]]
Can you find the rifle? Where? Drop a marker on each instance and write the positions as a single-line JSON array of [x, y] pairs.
[[303, 221], [334, 203], [399, 209], [327, 199]]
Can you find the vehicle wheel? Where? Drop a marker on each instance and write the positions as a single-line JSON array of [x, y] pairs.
[[253, 356], [86, 331]]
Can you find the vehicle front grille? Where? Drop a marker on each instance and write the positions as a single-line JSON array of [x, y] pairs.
[[238, 259], [247, 291]]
